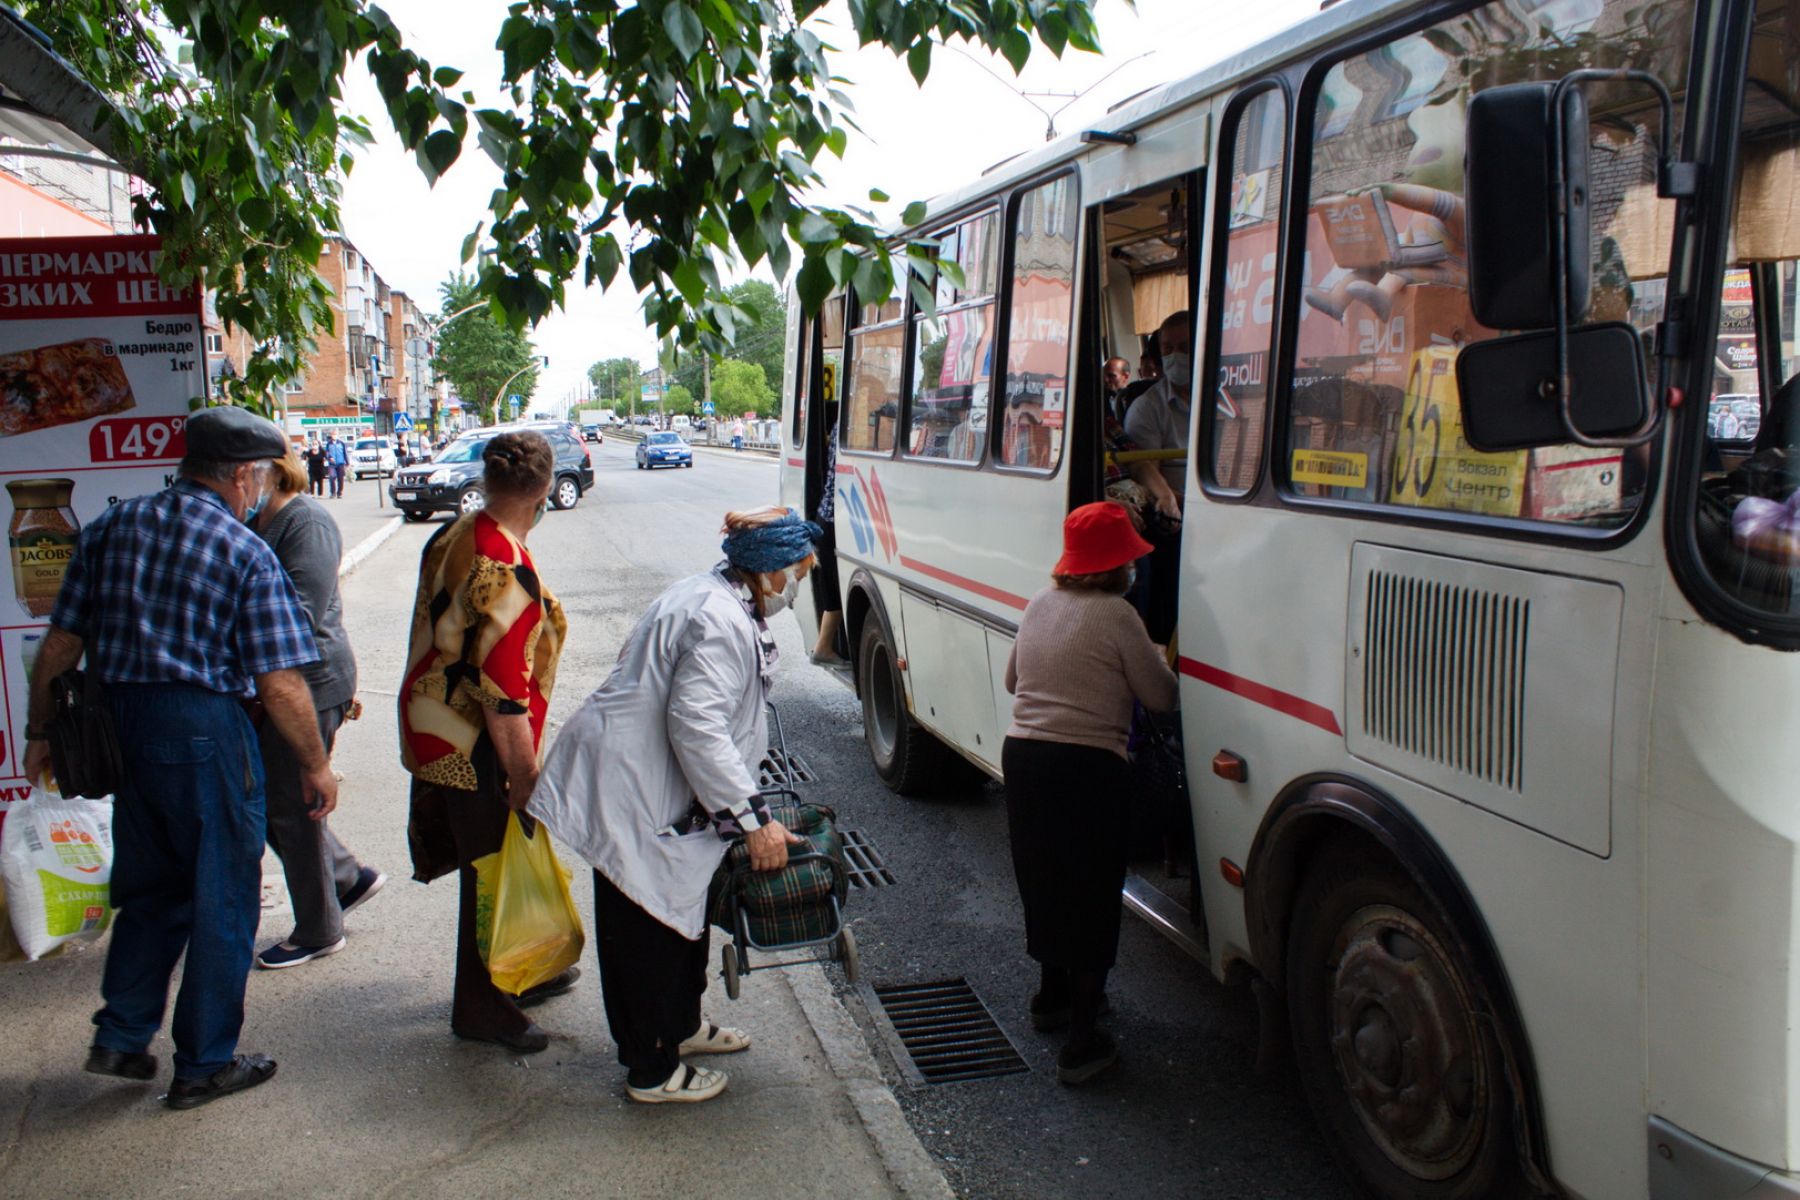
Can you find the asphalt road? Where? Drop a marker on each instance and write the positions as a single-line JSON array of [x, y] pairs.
[[1184, 1114]]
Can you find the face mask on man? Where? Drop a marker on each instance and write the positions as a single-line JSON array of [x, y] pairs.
[[1178, 369], [264, 486], [543, 506]]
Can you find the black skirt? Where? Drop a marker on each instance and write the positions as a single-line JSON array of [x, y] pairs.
[[1065, 808]]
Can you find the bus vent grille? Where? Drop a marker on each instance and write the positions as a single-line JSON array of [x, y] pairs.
[[1444, 675]]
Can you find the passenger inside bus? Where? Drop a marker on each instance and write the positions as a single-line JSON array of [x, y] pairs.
[[1146, 293]]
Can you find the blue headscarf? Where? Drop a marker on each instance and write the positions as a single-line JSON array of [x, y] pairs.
[[771, 547]]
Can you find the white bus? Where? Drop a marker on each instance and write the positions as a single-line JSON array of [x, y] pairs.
[[1490, 704]]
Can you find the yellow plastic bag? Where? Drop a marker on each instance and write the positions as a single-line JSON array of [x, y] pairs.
[[526, 926]]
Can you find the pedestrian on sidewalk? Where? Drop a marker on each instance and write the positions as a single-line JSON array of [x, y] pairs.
[[1080, 659], [737, 434], [182, 612], [324, 879], [337, 461], [315, 466], [652, 778], [486, 637]]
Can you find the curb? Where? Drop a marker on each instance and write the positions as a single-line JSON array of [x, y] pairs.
[[367, 546], [909, 1165]]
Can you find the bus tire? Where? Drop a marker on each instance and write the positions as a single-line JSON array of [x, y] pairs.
[[907, 757], [1407, 1081]]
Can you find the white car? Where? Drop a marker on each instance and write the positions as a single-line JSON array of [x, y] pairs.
[[373, 456]]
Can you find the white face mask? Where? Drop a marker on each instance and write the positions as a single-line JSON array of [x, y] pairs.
[[774, 602], [1178, 368]]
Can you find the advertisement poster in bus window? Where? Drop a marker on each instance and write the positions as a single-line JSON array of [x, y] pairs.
[[1434, 466], [98, 363]]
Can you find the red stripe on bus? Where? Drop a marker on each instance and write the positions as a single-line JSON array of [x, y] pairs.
[[1281, 702], [964, 582], [843, 470], [796, 462]]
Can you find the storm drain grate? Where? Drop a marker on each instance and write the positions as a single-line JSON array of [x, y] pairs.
[[948, 1032], [783, 770], [864, 860]]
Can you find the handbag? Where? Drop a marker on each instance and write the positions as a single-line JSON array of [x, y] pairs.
[[84, 749]]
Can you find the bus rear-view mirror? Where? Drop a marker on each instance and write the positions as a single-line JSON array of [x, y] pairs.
[[1510, 391], [1511, 151]]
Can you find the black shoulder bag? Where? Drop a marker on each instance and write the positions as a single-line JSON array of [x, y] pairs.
[[84, 750]]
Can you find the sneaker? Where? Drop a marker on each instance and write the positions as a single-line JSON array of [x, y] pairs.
[[1049, 1013], [688, 1085], [1085, 1058], [286, 954], [368, 882], [245, 1072]]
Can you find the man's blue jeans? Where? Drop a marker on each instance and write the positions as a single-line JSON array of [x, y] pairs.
[[188, 826]]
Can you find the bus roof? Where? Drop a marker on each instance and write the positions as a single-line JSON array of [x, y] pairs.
[[1335, 25]]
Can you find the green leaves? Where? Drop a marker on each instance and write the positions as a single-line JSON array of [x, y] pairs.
[[654, 141], [684, 29]]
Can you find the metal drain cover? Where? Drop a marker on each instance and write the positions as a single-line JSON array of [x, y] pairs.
[[947, 1032], [864, 861], [783, 770]]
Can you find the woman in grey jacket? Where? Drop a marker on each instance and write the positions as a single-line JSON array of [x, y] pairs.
[[324, 879], [655, 774]]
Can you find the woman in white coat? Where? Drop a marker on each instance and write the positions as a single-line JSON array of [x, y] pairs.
[[655, 774]]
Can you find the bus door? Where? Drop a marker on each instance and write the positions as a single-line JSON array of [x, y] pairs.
[[809, 414]]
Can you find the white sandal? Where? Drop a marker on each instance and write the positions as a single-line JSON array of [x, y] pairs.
[[686, 1085], [715, 1039]]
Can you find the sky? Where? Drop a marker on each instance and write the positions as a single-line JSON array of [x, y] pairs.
[[916, 142]]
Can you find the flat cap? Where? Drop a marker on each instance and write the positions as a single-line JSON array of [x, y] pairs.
[[233, 435]]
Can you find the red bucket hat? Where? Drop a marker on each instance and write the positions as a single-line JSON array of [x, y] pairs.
[[1098, 538]]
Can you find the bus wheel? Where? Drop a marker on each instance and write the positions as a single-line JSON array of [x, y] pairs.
[[907, 757], [1408, 1084]]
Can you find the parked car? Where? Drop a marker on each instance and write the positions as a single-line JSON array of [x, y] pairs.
[[664, 450], [452, 480], [373, 456], [591, 432]]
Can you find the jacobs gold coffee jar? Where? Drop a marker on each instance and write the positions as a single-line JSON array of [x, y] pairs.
[[41, 538]]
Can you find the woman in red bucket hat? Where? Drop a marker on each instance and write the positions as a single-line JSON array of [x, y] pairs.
[[1080, 659]]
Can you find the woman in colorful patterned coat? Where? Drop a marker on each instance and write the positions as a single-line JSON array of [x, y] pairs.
[[480, 666]]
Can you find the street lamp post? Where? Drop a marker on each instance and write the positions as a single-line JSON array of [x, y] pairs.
[[536, 361]]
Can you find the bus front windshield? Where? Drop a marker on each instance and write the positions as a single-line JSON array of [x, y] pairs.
[[1747, 516]]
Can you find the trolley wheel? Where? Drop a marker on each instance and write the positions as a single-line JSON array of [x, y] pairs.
[[728, 958], [844, 950], [1407, 1079]]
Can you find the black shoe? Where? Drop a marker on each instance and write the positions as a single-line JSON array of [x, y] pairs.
[[561, 985], [1085, 1057], [528, 1040], [245, 1071], [125, 1064], [368, 882]]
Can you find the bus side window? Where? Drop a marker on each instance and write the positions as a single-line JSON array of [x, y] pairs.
[[802, 382], [1241, 312], [1384, 311], [953, 347], [877, 359], [1044, 223]]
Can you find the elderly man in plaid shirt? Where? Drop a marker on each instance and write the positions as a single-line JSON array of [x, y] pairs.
[[184, 612]]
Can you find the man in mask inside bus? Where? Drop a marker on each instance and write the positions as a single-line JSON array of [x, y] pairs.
[[1158, 420]]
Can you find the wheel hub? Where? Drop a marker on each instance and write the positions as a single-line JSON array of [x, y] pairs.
[[1406, 1043]]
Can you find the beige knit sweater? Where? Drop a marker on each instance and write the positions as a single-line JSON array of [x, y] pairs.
[[1080, 659]]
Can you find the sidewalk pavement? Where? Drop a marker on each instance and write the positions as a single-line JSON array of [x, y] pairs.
[[375, 1097], [356, 513]]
